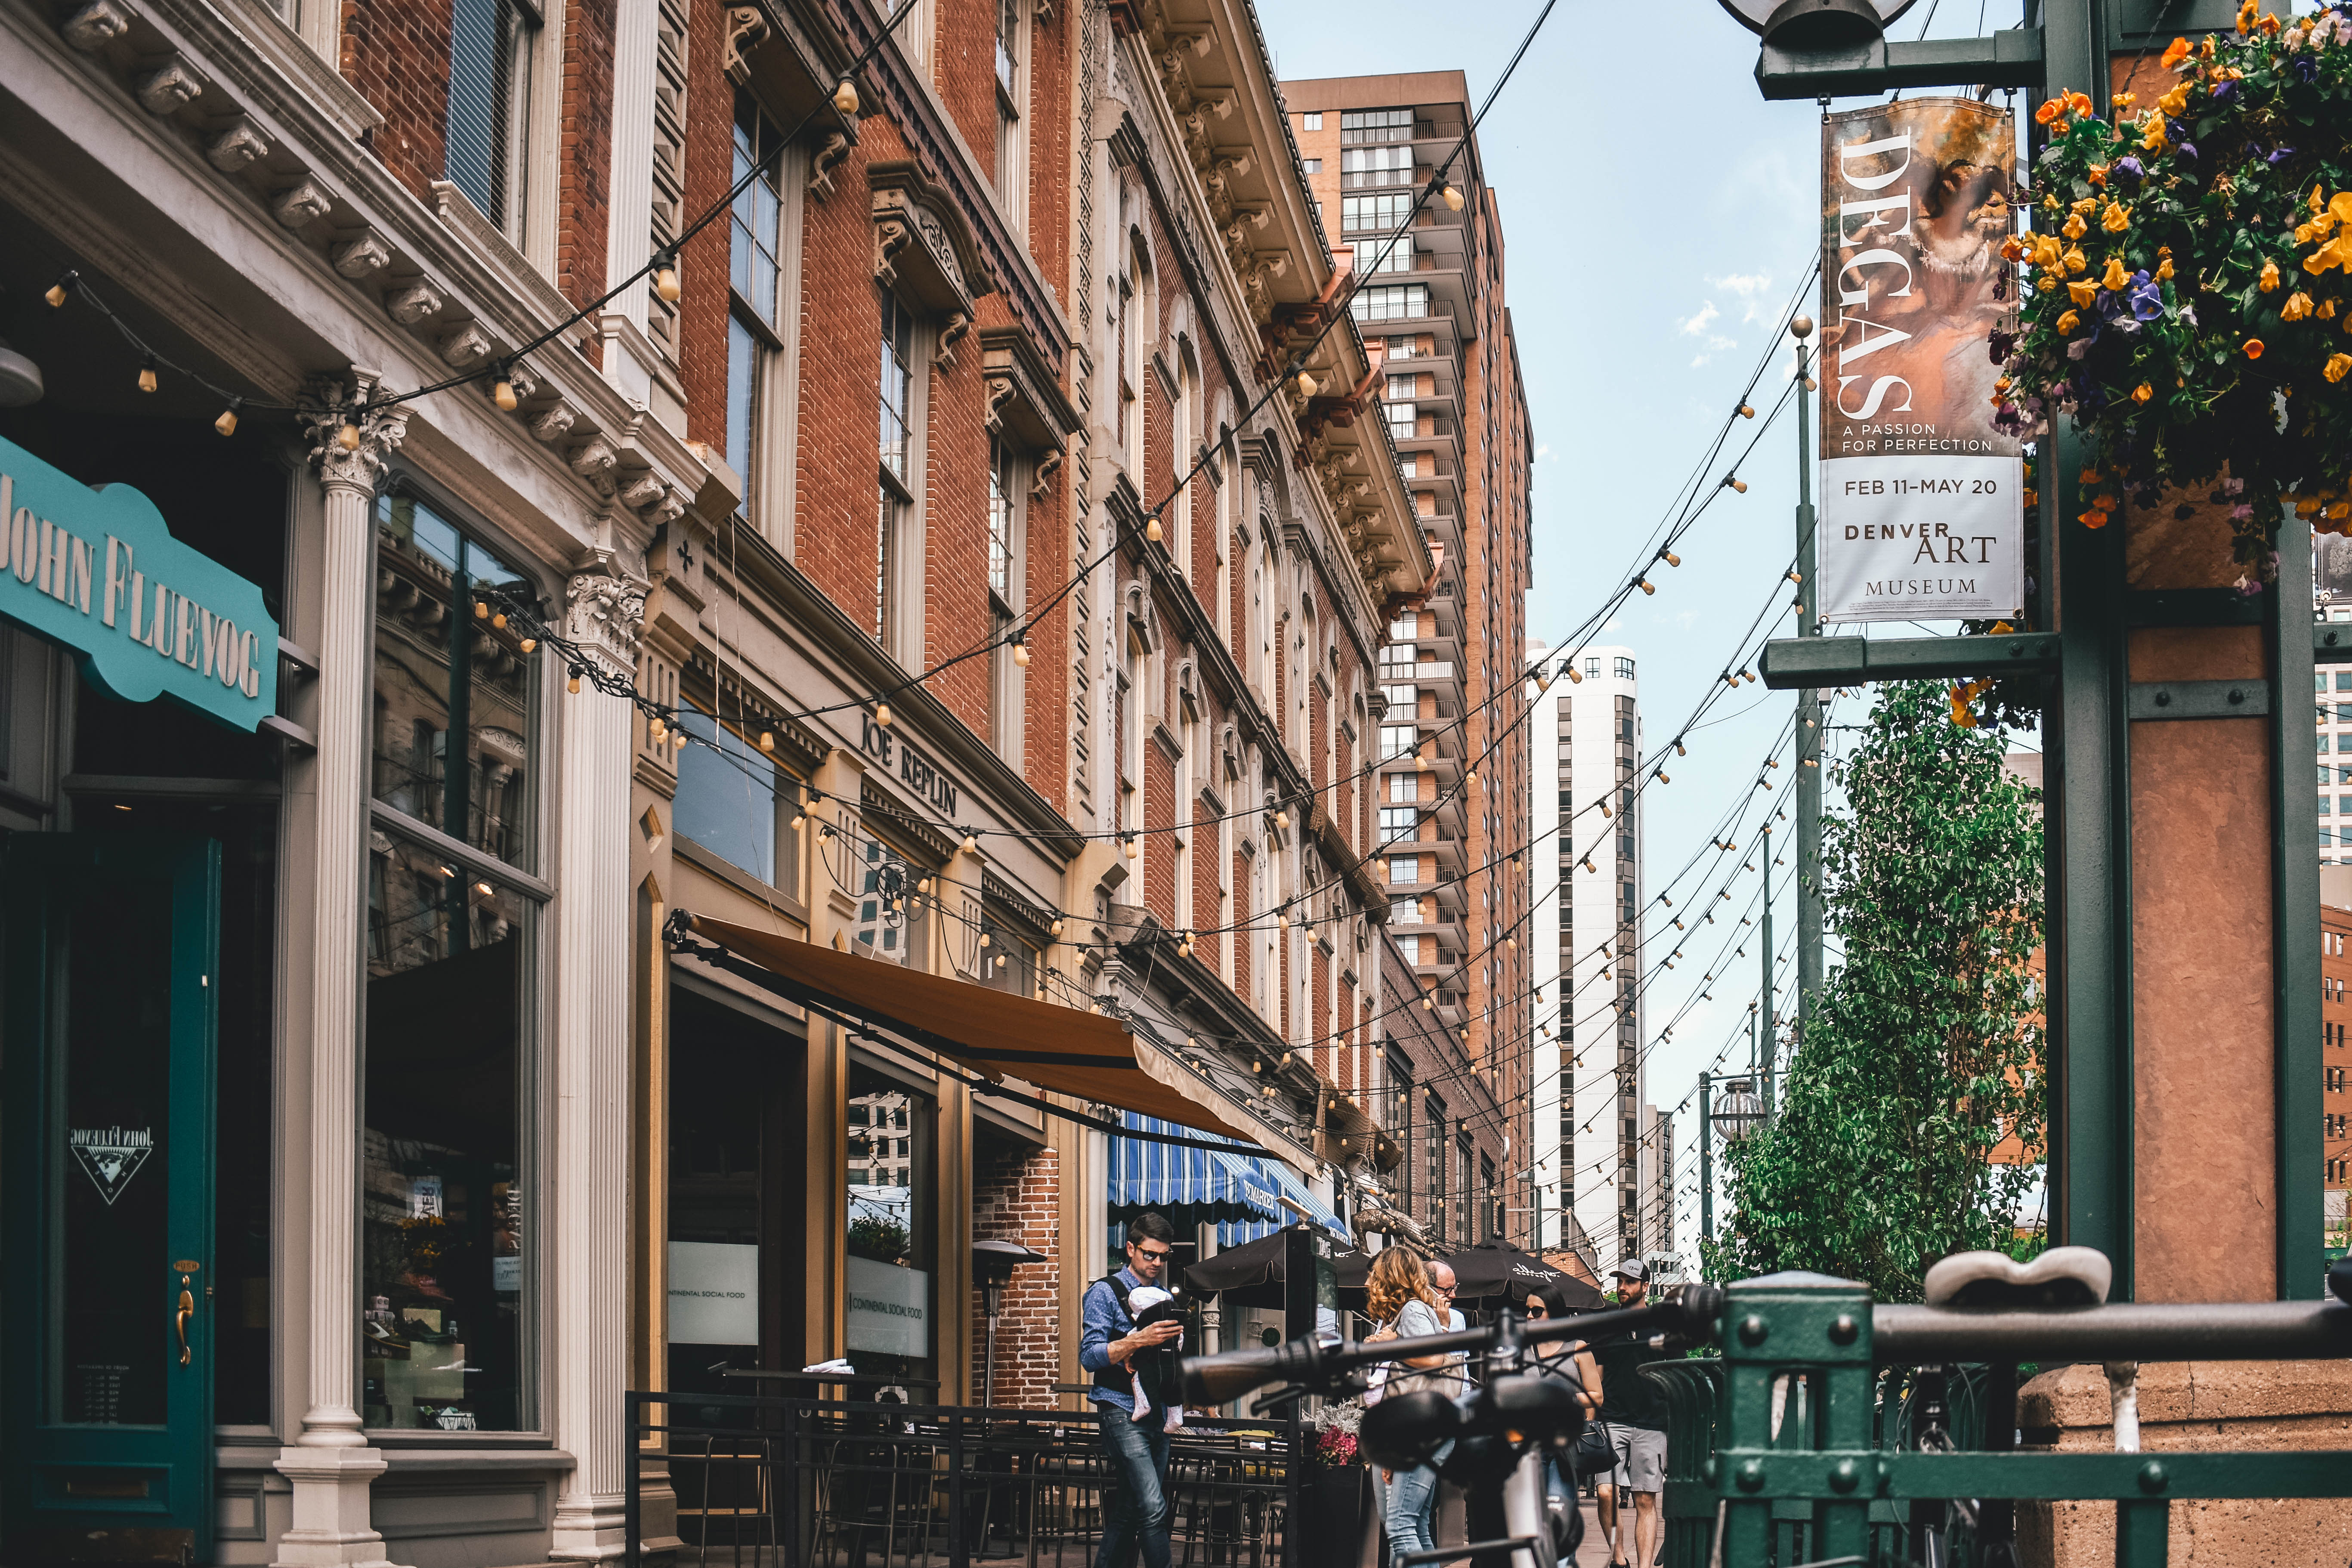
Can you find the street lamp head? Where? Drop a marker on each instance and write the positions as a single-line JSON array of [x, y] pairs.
[[1801, 327], [1817, 23]]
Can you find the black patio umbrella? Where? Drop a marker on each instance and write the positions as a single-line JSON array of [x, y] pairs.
[[1254, 1269], [1495, 1269]]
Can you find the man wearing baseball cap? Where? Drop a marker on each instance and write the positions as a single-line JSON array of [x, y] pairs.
[[1634, 1413]]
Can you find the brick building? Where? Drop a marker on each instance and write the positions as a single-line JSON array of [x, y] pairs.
[[1454, 774], [473, 1134], [2335, 1018]]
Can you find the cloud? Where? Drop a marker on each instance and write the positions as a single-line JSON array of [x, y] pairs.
[[1752, 289], [1543, 451], [1696, 324]]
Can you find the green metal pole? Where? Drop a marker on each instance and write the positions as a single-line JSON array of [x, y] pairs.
[[1705, 1168], [1809, 716], [1768, 1033]]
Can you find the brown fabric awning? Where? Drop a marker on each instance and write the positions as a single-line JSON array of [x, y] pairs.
[[994, 1032]]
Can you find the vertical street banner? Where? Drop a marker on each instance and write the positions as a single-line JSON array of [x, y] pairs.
[[1922, 514]]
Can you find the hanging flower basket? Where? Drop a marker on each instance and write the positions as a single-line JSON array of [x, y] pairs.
[[2189, 303]]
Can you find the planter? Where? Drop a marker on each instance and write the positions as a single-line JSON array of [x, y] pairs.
[[1339, 1518]]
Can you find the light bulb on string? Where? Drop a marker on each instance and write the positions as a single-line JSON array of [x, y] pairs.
[[1058, 924], [844, 97], [1734, 482], [1306, 385], [147, 374], [503, 391], [666, 282], [972, 843], [573, 685], [1645, 585], [530, 644], [348, 437], [481, 609], [882, 714], [1021, 653], [1747, 411], [1453, 195], [767, 740], [1133, 850], [65, 285], [227, 423], [1670, 558]]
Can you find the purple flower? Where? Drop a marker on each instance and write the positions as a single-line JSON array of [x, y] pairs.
[[2109, 304], [2129, 168], [2306, 67], [2008, 421], [2146, 297], [2081, 346], [2224, 90], [2002, 343], [2281, 156], [2187, 150]]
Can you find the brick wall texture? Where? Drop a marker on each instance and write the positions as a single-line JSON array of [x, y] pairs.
[[1015, 1197]]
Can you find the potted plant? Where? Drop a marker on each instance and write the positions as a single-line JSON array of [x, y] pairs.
[[2190, 283], [1338, 1503]]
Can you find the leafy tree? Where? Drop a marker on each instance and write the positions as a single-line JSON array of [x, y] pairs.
[[1922, 1050]]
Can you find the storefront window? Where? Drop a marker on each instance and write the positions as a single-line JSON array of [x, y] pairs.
[[890, 1182], [892, 903], [735, 803], [444, 1271], [443, 666]]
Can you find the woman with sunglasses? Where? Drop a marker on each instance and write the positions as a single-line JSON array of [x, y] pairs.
[[1566, 1359]]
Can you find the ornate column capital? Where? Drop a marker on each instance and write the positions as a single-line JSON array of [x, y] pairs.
[[350, 450], [604, 613]]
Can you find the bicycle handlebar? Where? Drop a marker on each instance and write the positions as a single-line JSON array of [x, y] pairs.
[[1313, 1366], [2126, 1330]]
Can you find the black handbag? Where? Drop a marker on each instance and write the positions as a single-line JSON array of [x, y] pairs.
[[1594, 1453]]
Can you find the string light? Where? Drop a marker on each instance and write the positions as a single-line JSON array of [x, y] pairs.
[[844, 97], [147, 374], [531, 645], [573, 685], [67, 282], [1020, 652], [348, 439], [666, 282], [1645, 585], [227, 423], [503, 391], [1151, 529], [1747, 411], [972, 843], [1133, 850], [768, 741], [882, 714], [1306, 385], [1670, 558], [1734, 482]]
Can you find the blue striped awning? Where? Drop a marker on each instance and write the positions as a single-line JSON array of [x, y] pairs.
[[1238, 1193]]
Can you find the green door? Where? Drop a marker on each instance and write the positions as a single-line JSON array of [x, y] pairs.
[[107, 1197]]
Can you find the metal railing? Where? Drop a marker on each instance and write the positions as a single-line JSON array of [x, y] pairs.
[[762, 1481], [1832, 1430]]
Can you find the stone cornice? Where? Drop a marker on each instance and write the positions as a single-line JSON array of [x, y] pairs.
[[463, 303], [923, 121]]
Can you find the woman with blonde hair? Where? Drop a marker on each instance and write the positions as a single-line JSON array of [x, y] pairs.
[[1405, 1306]]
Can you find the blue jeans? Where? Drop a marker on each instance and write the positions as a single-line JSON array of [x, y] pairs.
[[1410, 1504], [1134, 1488]]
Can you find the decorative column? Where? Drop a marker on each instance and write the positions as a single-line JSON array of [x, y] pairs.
[[587, 1301], [331, 1465], [628, 242]]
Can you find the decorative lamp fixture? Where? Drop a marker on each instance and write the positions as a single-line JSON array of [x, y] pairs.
[[21, 384], [1801, 327], [1817, 25]]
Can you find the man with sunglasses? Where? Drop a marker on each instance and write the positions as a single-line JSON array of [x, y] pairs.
[[1135, 1453]]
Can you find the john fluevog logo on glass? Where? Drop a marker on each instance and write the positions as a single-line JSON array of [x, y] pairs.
[[110, 1155]]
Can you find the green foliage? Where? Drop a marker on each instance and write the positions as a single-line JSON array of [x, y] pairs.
[[1923, 1047], [880, 1239], [2188, 290]]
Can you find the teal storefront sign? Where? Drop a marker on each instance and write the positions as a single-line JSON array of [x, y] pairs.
[[97, 570]]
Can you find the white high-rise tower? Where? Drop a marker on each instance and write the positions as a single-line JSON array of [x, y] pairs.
[[1590, 1089]]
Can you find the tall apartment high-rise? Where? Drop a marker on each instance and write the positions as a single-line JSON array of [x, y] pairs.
[[1449, 388], [2331, 600], [1595, 1136]]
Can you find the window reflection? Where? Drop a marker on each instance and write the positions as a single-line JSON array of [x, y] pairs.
[[443, 1200], [735, 803], [888, 1271], [443, 667]]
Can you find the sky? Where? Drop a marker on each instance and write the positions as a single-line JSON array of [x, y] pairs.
[[1657, 216]]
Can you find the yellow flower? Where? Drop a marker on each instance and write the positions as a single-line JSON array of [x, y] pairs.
[[2246, 16], [2318, 203], [2068, 322], [2084, 291], [2098, 172], [2339, 205], [2115, 277], [2270, 279], [2326, 311], [2176, 101], [2297, 306], [2001, 627], [2047, 283], [2336, 252], [2074, 227], [2305, 234], [2142, 393], [2152, 133], [2075, 261], [2117, 218], [2046, 251], [2338, 366]]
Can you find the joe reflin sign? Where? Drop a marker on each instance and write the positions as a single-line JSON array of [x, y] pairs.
[[1922, 512], [97, 570]]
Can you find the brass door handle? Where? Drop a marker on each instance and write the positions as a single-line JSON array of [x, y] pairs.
[[188, 1310]]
